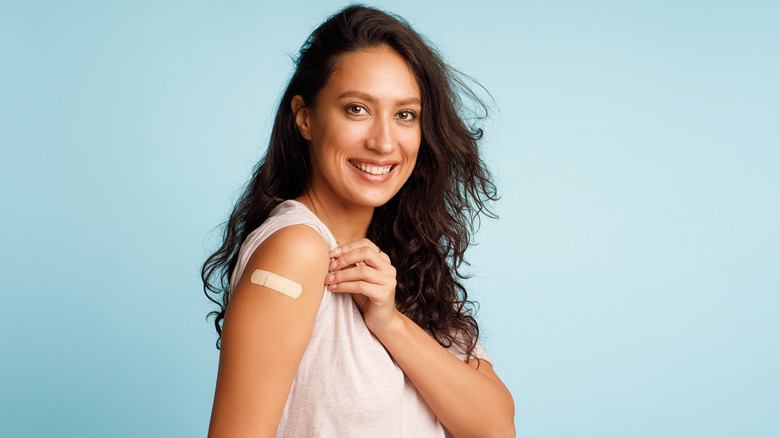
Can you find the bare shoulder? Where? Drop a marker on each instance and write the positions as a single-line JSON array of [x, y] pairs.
[[297, 254], [294, 248]]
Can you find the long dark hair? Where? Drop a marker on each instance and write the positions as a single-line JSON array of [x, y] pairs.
[[427, 226]]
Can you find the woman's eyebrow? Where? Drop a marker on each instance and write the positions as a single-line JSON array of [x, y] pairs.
[[369, 98]]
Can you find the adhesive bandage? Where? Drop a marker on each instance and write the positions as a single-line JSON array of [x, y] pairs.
[[277, 283]]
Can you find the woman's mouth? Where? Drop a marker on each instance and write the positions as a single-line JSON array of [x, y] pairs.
[[373, 169]]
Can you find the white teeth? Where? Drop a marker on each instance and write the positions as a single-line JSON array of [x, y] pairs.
[[373, 170]]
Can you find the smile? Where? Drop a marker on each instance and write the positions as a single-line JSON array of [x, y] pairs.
[[373, 170]]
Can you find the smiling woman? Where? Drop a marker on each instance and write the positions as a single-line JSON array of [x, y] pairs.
[[363, 207]]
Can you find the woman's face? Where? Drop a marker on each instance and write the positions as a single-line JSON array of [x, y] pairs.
[[364, 130]]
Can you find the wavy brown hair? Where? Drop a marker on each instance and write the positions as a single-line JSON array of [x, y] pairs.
[[427, 226]]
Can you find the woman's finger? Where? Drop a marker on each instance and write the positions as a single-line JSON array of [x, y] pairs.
[[363, 273], [362, 250], [373, 292], [364, 242], [364, 254]]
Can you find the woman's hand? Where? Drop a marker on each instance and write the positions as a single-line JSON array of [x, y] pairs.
[[362, 269], [468, 398]]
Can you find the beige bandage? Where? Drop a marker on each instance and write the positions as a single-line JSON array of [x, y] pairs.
[[277, 283]]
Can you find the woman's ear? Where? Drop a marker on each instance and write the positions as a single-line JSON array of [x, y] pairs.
[[301, 112]]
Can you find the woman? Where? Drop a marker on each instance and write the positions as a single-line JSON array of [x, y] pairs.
[[341, 313]]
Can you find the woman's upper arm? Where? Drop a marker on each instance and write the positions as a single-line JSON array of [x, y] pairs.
[[266, 332]]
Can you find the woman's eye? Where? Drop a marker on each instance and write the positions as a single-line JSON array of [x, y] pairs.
[[407, 115], [356, 109]]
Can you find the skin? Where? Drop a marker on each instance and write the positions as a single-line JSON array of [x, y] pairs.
[[367, 113]]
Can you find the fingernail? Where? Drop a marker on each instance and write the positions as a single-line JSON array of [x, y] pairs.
[[335, 252], [329, 278], [333, 265]]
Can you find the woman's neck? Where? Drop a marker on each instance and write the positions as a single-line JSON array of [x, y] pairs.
[[347, 222]]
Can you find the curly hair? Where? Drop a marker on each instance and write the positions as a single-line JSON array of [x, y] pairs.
[[427, 226]]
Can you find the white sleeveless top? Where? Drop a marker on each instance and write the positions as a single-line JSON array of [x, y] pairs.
[[347, 384]]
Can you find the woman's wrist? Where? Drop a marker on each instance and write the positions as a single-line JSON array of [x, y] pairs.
[[392, 330]]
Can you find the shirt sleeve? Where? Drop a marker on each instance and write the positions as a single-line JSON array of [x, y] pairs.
[[479, 353], [482, 354]]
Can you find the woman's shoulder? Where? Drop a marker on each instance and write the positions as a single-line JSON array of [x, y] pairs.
[[290, 266], [295, 251], [291, 229]]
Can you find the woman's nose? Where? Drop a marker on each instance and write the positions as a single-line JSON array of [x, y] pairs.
[[380, 136]]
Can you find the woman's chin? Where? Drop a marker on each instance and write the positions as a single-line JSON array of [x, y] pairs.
[[373, 202], [371, 199]]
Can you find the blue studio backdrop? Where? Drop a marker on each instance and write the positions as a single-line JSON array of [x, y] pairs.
[[629, 288]]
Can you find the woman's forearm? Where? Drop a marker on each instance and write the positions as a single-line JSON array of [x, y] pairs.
[[467, 401]]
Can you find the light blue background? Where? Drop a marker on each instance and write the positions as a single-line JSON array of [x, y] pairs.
[[630, 288]]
